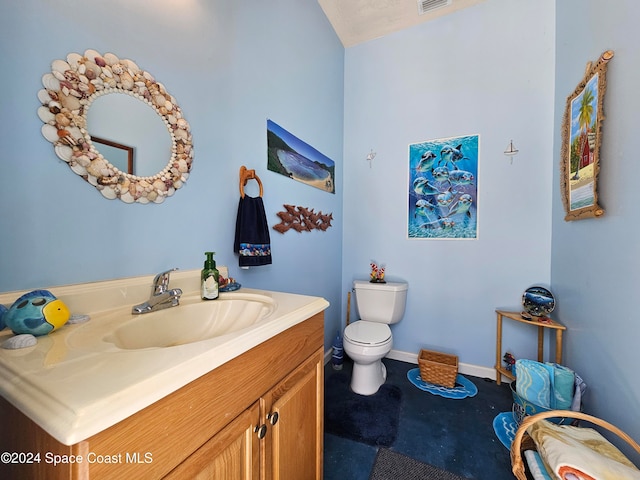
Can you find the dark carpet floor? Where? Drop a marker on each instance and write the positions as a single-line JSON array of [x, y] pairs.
[[356, 417], [454, 435]]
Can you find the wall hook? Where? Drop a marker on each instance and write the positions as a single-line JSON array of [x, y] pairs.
[[370, 157], [511, 151]]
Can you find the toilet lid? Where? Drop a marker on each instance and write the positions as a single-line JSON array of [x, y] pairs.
[[367, 333]]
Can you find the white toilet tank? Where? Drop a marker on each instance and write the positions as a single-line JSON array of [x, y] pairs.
[[380, 302]]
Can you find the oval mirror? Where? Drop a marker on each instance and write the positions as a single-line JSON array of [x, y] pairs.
[[89, 145]]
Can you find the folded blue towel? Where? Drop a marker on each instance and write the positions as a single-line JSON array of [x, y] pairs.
[[536, 465], [535, 382], [548, 385], [564, 380]]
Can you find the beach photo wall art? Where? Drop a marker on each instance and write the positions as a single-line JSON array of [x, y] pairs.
[[443, 188], [581, 138], [293, 158]]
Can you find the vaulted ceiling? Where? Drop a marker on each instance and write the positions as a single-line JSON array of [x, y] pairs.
[[357, 21]]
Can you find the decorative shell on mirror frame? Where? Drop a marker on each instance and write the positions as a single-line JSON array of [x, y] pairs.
[[69, 90]]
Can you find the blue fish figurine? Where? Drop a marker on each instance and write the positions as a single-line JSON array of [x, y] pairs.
[[38, 312], [3, 310]]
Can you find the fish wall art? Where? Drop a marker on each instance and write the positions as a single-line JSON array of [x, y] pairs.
[[302, 219], [443, 188]]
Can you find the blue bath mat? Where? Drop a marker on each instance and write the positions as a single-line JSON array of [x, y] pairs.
[[505, 427], [464, 388]]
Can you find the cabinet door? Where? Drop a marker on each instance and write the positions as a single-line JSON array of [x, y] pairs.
[[232, 454], [293, 445]]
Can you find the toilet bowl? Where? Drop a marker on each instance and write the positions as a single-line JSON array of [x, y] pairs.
[[367, 343], [369, 339]]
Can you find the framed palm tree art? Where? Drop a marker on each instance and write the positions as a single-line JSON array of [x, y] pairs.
[[581, 136]]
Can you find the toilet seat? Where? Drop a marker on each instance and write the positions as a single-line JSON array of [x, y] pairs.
[[367, 333]]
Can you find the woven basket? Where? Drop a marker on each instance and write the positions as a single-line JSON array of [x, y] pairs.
[[438, 368], [522, 441]]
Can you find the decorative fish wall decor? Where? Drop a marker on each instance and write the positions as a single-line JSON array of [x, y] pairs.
[[302, 219]]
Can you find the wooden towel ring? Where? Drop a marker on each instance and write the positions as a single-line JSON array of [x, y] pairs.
[[245, 176], [522, 440]]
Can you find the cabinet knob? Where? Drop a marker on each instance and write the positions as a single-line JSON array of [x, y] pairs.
[[261, 430], [273, 418]]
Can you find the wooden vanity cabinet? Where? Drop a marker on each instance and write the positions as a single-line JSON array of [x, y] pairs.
[[232, 454], [295, 424], [258, 416]]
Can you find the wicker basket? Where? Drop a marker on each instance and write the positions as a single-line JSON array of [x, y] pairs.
[[522, 441], [438, 368]]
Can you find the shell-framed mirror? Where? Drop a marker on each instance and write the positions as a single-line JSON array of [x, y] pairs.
[[581, 138], [69, 92]]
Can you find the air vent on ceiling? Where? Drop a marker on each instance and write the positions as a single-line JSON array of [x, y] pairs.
[[425, 6]]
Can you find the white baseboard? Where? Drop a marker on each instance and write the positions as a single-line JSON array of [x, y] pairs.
[[327, 356], [463, 368]]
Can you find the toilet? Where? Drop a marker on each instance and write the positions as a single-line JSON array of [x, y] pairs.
[[369, 339]]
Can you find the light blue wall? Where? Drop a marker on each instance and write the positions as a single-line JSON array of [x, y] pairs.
[[595, 262], [485, 70], [231, 65], [501, 69]]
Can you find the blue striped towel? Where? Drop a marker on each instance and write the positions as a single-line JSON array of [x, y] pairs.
[[548, 385]]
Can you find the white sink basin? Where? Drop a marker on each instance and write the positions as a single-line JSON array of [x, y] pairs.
[[192, 322], [84, 378]]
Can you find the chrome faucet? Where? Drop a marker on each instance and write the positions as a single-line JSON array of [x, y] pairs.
[[161, 296]]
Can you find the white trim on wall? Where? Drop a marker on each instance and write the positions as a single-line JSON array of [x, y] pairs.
[[463, 368]]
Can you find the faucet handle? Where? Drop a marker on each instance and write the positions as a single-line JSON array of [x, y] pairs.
[[161, 282]]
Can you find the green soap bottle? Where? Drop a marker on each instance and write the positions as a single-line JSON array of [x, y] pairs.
[[209, 278]]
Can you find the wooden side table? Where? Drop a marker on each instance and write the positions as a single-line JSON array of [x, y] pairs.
[[548, 323]]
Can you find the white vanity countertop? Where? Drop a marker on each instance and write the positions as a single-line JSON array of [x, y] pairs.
[[73, 384]]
